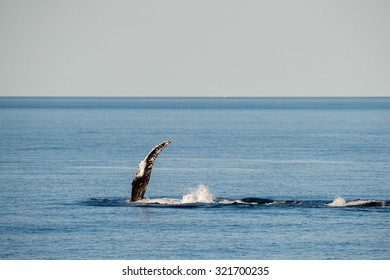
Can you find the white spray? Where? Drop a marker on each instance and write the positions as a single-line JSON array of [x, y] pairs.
[[199, 195]]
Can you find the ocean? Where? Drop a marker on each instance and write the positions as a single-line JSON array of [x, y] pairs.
[[66, 166]]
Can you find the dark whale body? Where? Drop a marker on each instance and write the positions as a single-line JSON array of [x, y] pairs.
[[256, 200]]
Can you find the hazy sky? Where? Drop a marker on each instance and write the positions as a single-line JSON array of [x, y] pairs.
[[194, 48]]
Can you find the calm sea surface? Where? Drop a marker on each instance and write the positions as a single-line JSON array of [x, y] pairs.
[[66, 166]]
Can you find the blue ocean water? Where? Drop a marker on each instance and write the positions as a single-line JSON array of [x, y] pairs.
[[66, 166]]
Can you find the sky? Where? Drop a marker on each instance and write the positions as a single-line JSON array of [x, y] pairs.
[[194, 48]]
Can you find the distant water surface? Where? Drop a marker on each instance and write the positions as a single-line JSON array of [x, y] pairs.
[[66, 165]]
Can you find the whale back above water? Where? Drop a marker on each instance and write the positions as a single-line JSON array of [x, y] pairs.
[[142, 175]]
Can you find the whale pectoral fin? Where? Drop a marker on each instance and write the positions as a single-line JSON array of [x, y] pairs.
[[152, 155], [138, 188], [142, 176]]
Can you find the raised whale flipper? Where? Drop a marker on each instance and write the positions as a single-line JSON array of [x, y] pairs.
[[142, 176]]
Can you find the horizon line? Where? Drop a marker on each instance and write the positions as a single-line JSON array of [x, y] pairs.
[[192, 96]]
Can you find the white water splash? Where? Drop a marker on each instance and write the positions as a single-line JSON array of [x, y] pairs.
[[341, 202], [199, 195], [338, 202]]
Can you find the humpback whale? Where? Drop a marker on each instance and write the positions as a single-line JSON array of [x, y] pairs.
[[142, 175], [144, 170]]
